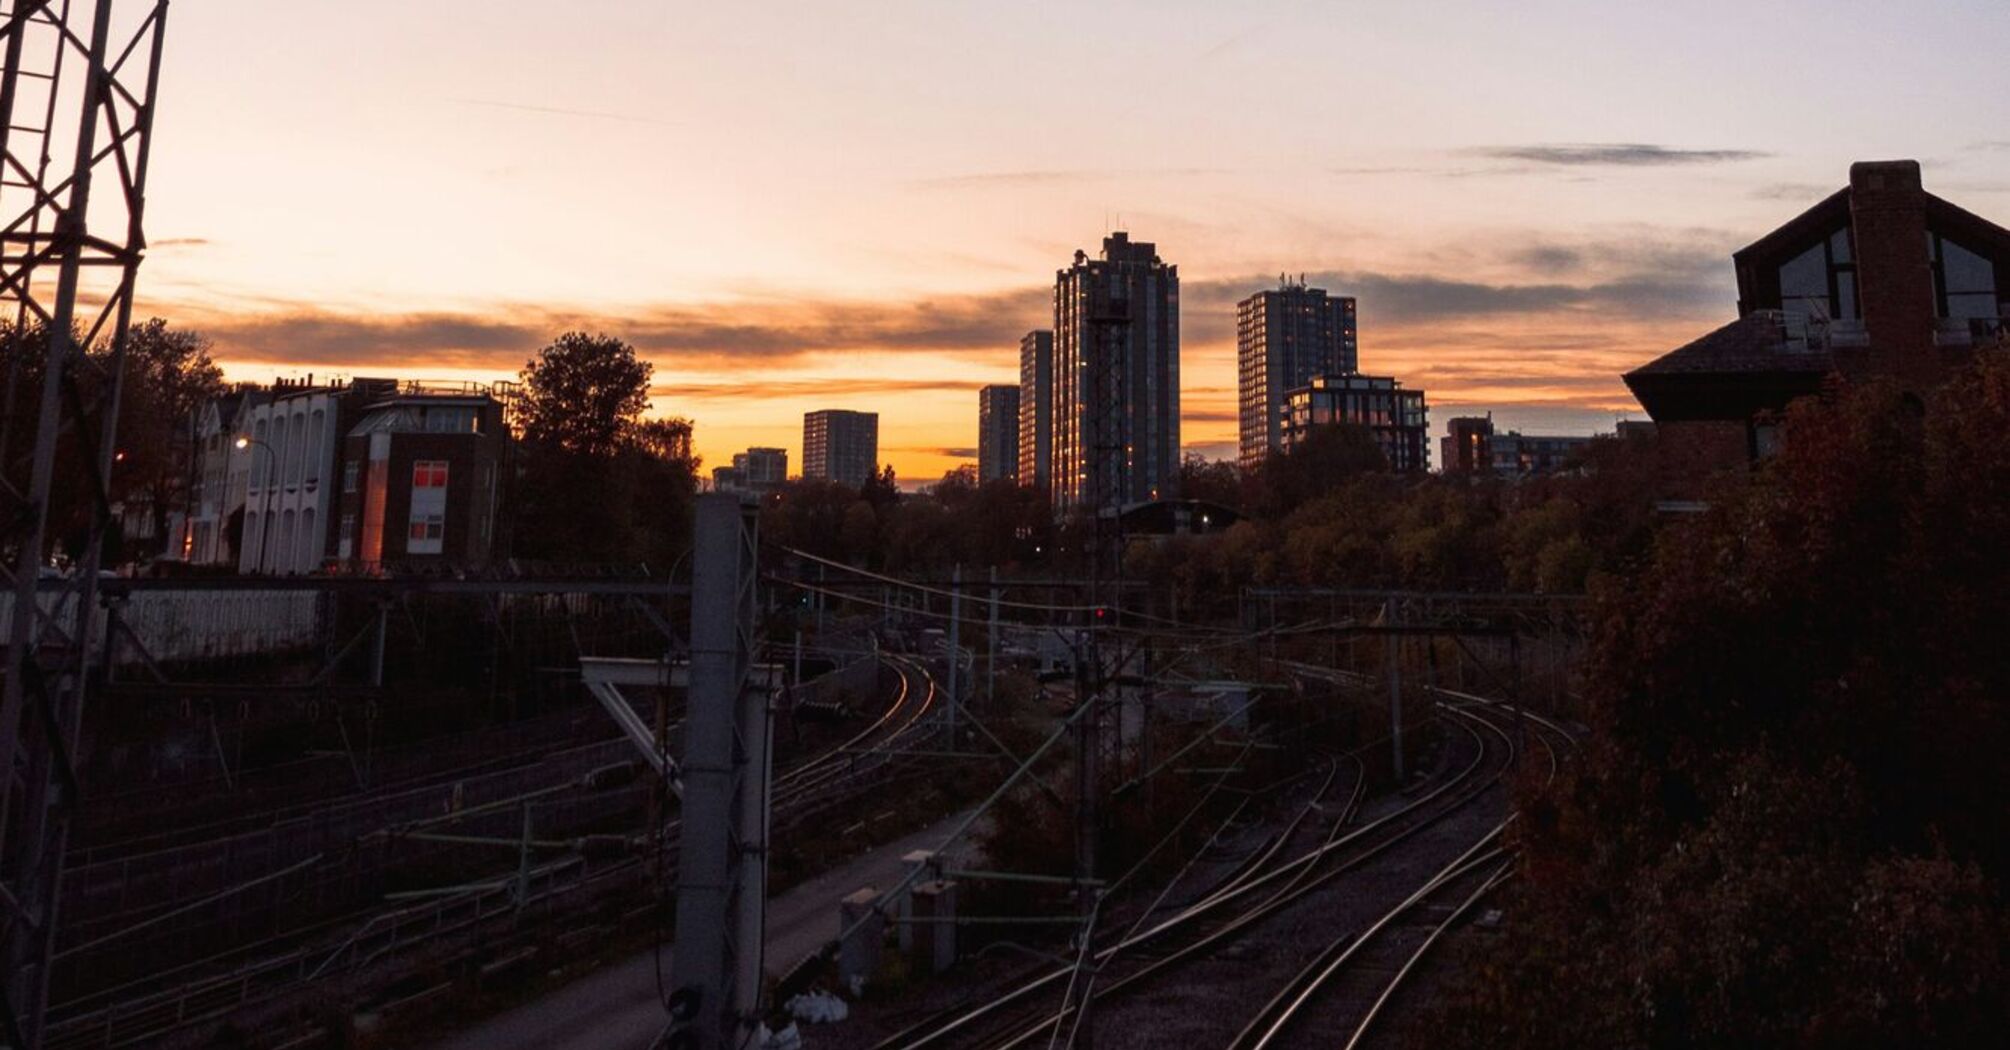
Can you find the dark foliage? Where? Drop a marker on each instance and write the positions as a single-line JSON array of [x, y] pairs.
[[954, 522], [1329, 457], [598, 483], [168, 374], [583, 394], [1790, 831]]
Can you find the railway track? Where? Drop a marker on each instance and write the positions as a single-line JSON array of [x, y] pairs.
[[259, 971], [1267, 892], [1352, 981], [1028, 1013]]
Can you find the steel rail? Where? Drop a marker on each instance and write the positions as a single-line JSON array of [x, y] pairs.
[[1304, 987], [1278, 899]]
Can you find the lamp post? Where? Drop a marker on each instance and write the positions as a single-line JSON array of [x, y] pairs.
[[244, 442]]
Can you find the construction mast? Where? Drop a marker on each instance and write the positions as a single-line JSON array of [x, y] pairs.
[[78, 83]]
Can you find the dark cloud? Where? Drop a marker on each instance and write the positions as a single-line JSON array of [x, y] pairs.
[[1614, 154], [1188, 414], [1678, 291], [704, 335], [1468, 378], [313, 337], [950, 452], [1637, 277], [779, 388], [178, 242], [1550, 258]]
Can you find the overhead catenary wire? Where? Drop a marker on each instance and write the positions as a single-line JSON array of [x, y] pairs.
[[1003, 603], [1219, 637]]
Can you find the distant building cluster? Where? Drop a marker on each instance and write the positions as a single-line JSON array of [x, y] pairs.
[[347, 475], [758, 470], [1881, 276], [1471, 445], [1284, 339], [1099, 393]]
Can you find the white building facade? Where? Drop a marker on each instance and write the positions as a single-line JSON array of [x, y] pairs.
[[289, 463]]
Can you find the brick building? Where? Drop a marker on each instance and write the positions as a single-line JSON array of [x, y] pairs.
[[1880, 277], [1465, 448], [423, 474]]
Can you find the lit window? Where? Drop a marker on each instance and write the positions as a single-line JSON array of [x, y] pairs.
[[429, 527], [349, 472], [429, 474]]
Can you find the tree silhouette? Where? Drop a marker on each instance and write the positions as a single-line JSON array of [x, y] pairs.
[[169, 376], [1327, 458], [598, 482], [582, 393]]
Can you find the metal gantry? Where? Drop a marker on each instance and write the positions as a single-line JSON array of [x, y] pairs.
[[723, 866], [77, 96]]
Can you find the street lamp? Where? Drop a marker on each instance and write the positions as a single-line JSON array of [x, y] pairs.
[[244, 442]]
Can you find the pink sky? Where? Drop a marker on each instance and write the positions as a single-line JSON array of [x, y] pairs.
[[799, 206]]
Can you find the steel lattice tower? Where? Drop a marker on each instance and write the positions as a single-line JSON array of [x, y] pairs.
[[77, 92]]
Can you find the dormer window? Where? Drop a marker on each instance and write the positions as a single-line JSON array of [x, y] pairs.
[[1820, 283], [1964, 283]]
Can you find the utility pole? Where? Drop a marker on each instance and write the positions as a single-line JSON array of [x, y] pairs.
[[1088, 816], [722, 867]]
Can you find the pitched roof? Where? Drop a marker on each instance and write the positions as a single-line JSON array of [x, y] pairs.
[[1754, 343]]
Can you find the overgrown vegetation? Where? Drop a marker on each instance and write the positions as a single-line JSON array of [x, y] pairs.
[[1789, 828]]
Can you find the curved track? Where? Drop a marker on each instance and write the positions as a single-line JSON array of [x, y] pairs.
[[1026, 1015], [1349, 984]]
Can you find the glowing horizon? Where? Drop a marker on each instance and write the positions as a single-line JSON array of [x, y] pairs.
[[790, 209]]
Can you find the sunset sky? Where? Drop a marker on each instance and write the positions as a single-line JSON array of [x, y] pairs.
[[789, 206]]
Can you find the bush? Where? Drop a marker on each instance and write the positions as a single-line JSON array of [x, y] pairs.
[[1789, 831]]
